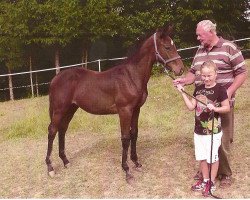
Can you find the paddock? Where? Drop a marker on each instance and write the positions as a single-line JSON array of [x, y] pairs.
[[165, 148]]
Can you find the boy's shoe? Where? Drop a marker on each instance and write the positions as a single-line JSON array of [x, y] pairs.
[[198, 176], [206, 190], [199, 185]]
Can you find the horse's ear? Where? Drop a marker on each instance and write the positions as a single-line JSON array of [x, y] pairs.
[[167, 30]]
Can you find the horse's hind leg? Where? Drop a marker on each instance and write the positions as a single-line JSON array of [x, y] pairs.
[[61, 133], [134, 136]]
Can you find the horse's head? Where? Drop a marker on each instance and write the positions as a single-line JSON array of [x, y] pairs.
[[166, 52]]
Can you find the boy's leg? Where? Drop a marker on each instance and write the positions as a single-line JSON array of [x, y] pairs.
[[213, 160], [204, 169], [200, 155], [214, 170], [200, 184]]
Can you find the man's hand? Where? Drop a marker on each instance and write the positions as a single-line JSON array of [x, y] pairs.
[[179, 81], [186, 80], [229, 94]]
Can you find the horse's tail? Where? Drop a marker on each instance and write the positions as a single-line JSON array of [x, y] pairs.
[[50, 104], [50, 109]]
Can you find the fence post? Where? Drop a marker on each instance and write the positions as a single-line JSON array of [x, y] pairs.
[[37, 91], [10, 85], [31, 78], [31, 84], [99, 65]]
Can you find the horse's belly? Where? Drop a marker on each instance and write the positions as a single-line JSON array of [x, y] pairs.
[[99, 109]]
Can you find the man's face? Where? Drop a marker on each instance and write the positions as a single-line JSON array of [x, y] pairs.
[[204, 37]]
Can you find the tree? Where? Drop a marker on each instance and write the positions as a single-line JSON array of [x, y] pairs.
[[28, 14], [58, 24], [100, 19], [140, 17], [11, 45], [229, 16]]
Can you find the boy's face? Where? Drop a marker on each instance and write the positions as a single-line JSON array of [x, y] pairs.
[[208, 76]]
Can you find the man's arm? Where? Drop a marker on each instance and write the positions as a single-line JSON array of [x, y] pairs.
[[187, 80], [238, 81]]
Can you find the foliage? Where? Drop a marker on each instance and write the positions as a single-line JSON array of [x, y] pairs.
[[75, 25], [12, 30], [58, 22], [55, 22], [140, 17]]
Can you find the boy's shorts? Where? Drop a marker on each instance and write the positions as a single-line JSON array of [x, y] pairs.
[[202, 145]]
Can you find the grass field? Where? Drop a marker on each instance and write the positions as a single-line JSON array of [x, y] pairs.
[[165, 149]]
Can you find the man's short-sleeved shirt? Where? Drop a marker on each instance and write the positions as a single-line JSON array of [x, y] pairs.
[[227, 57], [203, 116]]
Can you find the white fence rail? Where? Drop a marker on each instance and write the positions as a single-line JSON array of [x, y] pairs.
[[99, 61]]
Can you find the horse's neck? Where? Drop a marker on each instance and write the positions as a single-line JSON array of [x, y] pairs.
[[141, 65]]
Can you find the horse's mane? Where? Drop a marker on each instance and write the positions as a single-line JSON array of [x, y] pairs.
[[138, 43], [133, 49]]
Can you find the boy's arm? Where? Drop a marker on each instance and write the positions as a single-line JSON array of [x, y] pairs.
[[191, 104]]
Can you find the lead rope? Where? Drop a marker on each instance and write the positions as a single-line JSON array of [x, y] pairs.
[[212, 134]]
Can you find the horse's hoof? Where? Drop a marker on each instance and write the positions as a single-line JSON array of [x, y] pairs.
[[138, 168], [51, 174], [67, 165], [129, 178]]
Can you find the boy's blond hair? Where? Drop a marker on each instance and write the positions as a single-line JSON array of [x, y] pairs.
[[209, 64]]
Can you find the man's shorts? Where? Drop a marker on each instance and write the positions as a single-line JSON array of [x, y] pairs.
[[202, 145]]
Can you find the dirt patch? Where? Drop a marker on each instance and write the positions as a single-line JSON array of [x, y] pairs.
[[167, 159], [96, 172]]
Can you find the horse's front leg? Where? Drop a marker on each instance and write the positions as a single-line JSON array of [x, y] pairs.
[[134, 136], [125, 115]]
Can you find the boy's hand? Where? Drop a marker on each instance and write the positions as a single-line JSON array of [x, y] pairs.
[[211, 107]]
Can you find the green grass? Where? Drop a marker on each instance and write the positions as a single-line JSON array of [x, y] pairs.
[[163, 110], [30, 116], [165, 149]]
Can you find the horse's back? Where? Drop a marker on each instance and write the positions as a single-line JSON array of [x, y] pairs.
[[92, 91], [95, 92]]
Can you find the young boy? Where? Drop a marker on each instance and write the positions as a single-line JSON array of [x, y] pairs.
[[215, 100]]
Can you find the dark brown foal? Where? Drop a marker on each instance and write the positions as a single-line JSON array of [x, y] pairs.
[[120, 90]]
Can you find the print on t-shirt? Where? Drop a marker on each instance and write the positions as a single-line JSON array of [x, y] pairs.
[[203, 116]]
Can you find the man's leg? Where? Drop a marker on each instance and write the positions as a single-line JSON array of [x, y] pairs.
[[227, 122]]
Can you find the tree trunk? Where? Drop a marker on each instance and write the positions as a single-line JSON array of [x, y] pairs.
[[10, 85], [85, 57], [57, 58], [31, 78]]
